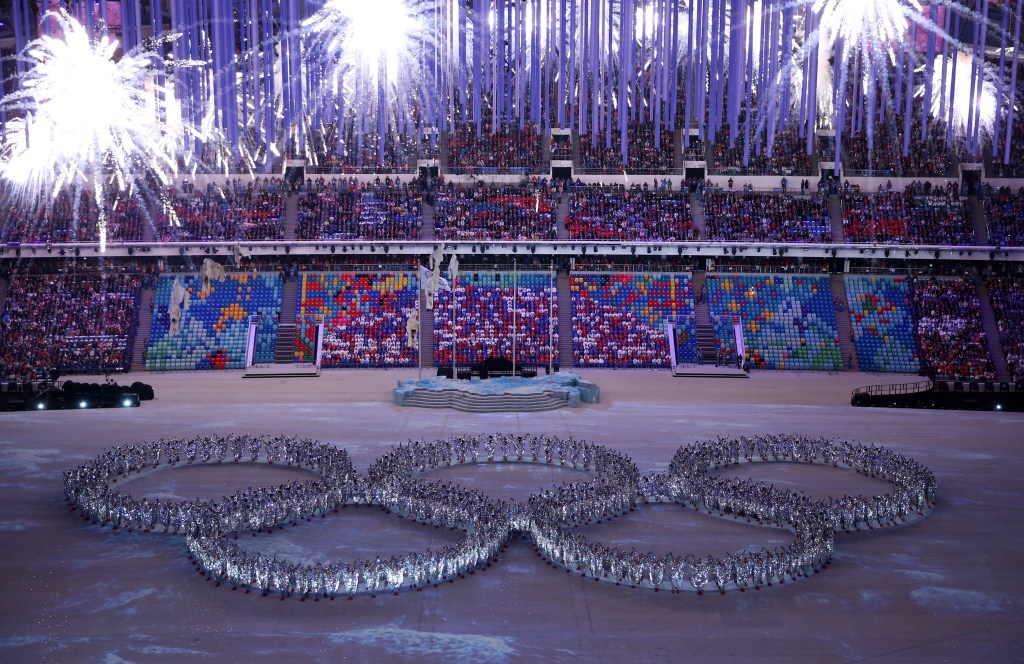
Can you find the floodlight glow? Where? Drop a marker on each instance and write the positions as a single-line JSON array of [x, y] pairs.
[[41, 406], [82, 404], [85, 121], [127, 403]]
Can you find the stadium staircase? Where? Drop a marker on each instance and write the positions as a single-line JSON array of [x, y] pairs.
[[566, 358], [480, 403], [576, 149], [291, 216], [427, 229], [843, 323], [442, 151], [697, 213], [678, 163], [995, 344], [707, 342], [149, 231], [142, 330], [977, 208], [545, 151], [835, 213], [3, 293], [561, 213], [426, 332], [284, 350]]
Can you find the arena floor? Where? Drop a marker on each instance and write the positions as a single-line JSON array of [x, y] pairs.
[[948, 589]]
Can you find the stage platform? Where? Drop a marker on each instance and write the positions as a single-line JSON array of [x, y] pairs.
[[498, 395], [707, 371], [282, 371]]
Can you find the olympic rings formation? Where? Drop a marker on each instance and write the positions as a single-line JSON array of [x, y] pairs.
[[548, 518]]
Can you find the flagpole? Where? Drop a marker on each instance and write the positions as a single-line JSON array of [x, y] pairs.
[[454, 373], [515, 293], [551, 319], [419, 327]]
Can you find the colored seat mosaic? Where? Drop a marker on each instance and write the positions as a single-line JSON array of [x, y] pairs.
[[883, 323], [789, 321], [619, 319], [484, 318], [212, 328], [366, 318]]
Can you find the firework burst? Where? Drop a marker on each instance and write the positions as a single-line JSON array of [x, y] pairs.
[[88, 120]]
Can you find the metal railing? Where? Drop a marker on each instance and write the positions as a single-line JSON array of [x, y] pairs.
[[895, 388]]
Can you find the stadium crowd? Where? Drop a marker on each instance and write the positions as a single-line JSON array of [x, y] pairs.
[[949, 334], [1007, 297], [789, 154], [346, 209], [251, 212], [613, 213], [644, 156], [766, 217], [75, 322], [494, 213], [508, 149], [1005, 213]]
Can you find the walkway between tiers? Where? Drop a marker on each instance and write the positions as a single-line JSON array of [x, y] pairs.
[[843, 324], [995, 344], [566, 359]]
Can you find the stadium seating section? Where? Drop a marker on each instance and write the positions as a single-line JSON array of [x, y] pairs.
[[494, 213], [365, 318], [73, 322], [882, 321], [949, 333], [342, 212], [613, 214], [1007, 296], [789, 321], [760, 217], [1005, 214], [619, 319], [212, 332], [484, 315]]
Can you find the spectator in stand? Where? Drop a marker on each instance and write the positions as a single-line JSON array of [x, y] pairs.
[[949, 335], [926, 158]]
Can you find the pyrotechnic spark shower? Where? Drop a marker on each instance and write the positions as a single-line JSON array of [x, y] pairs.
[[87, 121]]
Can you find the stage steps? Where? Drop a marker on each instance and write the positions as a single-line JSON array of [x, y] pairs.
[[142, 331], [995, 343], [291, 216], [566, 358], [977, 209], [843, 324], [707, 342], [284, 350], [480, 403], [835, 213]]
